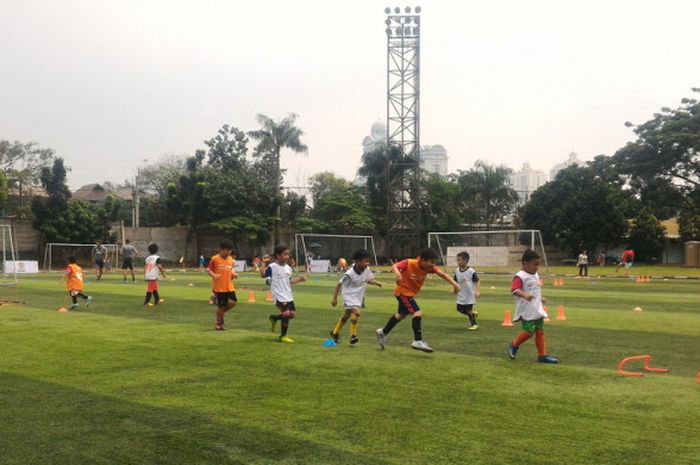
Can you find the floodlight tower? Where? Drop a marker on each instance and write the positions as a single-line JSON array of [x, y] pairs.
[[403, 129]]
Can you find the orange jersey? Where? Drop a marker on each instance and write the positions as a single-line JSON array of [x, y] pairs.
[[224, 268], [412, 277], [74, 277]]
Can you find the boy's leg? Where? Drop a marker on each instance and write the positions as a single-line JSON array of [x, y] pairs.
[[472, 316], [339, 325], [148, 298], [416, 324], [83, 296], [527, 332], [539, 342], [354, 323]]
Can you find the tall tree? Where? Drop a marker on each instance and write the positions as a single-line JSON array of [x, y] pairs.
[[338, 206], [487, 189]]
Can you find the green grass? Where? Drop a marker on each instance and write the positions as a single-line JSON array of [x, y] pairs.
[[122, 384]]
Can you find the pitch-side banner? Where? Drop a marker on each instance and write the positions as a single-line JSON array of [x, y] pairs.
[[239, 266], [320, 266], [22, 266]]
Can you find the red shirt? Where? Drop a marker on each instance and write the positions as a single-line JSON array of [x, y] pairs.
[[628, 256], [412, 277]]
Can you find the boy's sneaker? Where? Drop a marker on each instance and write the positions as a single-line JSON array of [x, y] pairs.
[[354, 340], [473, 327], [150, 304], [422, 345], [161, 301], [88, 301], [335, 337], [381, 338], [73, 307], [273, 323], [286, 339], [512, 351], [547, 359]]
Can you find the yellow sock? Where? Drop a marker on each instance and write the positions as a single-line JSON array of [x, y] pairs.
[[338, 326], [353, 325]]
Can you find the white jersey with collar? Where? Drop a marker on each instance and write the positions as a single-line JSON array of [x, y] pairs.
[[529, 310], [280, 282], [354, 286]]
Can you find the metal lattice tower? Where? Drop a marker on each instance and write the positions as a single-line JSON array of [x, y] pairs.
[[403, 130]]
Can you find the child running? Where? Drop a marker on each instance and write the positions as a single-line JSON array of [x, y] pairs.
[[280, 275], [353, 283], [74, 283], [222, 275], [153, 269], [470, 291], [529, 307], [410, 275]]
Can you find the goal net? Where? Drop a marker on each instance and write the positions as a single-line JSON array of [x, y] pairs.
[[9, 269], [322, 252], [499, 250], [56, 254]]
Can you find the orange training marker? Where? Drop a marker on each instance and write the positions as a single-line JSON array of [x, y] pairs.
[[63, 310], [268, 298], [506, 319], [560, 313], [639, 279], [251, 297]]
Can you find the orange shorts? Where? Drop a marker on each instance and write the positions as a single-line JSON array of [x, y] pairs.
[[152, 285]]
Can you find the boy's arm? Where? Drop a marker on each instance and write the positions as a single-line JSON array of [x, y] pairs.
[[397, 272], [263, 268], [161, 270], [374, 282], [334, 300], [448, 278], [477, 289], [211, 272], [298, 279]]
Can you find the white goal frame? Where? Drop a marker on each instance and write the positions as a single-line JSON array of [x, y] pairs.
[[8, 279], [300, 238], [535, 234], [112, 249]]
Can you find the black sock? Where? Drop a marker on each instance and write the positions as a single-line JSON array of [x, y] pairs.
[[417, 331], [156, 297], [75, 299], [390, 324], [472, 317], [285, 325], [82, 296], [148, 298]]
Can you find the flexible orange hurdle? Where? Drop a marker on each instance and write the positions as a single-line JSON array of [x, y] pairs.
[[647, 367]]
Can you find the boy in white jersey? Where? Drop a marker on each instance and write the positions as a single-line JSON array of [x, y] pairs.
[[280, 274], [470, 289], [152, 270], [353, 283], [529, 307]]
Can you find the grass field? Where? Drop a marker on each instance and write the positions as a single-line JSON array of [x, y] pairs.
[[120, 383]]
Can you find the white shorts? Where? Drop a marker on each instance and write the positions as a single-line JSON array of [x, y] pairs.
[[628, 264]]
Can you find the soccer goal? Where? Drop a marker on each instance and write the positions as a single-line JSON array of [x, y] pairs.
[[321, 252], [497, 249], [56, 254], [9, 269]]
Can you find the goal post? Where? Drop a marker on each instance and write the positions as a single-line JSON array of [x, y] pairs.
[[491, 249], [9, 269], [56, 254], [332, 247]]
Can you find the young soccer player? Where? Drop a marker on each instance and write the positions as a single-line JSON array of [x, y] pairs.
[[470, 286], [153, 269], [529, 307], [627, 260], [74, 283], [353, 284], [280, 274], [410, 275], [129, 253], [222, 275]]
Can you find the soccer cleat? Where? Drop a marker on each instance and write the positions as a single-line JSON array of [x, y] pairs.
[[421, 345], [335, 337], [547, 359], [286, 339], [354, 340], [88, 301], [273, 323], [73, 307], [512, 351], [473, 327], [381, 338], [151, 304]]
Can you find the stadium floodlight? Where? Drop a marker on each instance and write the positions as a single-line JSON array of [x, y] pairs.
[[499, 249]]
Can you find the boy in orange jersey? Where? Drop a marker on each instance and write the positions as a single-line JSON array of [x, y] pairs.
[[74, 283], [222, 275], [410, 275]]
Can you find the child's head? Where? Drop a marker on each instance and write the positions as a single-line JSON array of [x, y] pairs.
[[98, 242], [462, 259], [71, 260], [281, 253], [361, 260], [153, 248], [225, 248], [531, 261], [427, 259], [127, 241]]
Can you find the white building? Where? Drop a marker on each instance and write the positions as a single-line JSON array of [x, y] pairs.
[[571, 161], [526, 181]]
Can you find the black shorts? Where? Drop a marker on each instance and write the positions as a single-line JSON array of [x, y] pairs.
[[284, 306], [128, 264], [222, 298], [100, 263], [407, 305], [464, 308]]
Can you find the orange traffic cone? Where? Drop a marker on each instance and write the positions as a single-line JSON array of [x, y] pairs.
[[639, 279], [560, 313], [251, 297], [556, 282], [268, 298], [506, 319], [561, 281], [546, 310], [648, 279]]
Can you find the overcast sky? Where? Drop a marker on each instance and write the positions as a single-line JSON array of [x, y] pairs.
[[111, 83]]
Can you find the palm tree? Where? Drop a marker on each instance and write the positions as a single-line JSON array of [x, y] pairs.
[[273, 136], [490, 191]]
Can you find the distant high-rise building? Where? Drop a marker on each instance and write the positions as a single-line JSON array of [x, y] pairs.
[[571, 161], [526, 181]]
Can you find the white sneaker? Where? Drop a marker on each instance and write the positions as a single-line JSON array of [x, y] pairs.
[[381, 338], [88, 301], [422, 345]]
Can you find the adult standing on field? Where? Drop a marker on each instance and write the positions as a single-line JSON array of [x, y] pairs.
[[627, 260], [99, 255], [582, 263], [129, 253]]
